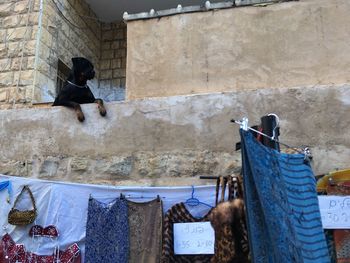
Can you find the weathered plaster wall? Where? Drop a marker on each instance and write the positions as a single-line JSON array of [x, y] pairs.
[[18, 24], [283, 45], [169, 141], [78, 34]]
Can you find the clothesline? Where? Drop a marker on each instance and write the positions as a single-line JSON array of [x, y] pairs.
[[306, 151]]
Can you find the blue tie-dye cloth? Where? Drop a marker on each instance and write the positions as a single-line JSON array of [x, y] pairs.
[[283, 216], [107, 232]]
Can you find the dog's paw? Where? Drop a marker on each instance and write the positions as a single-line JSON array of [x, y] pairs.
[[80, 116], [102, 110]]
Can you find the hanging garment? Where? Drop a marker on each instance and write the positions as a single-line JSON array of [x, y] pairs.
[[284, 222], [145, 227], [107, 232], [231, 243], [10, 252], [6, 185], [228, 221], [179, 214], [341, 237]]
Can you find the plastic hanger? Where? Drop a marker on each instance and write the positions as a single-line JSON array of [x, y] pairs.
[[194, 201]]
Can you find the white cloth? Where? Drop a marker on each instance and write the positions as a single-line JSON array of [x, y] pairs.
[[65, 206]]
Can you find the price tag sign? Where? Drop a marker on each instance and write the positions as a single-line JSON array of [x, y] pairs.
[[193, 238], [335, 211]]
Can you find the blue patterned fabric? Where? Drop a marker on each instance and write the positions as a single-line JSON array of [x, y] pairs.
[[283, 217], [6, 185], [107, 232]]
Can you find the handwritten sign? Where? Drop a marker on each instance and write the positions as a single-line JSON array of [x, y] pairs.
[[335, 211], [193, 238]]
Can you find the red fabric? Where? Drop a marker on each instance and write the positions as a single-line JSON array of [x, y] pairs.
[[49, 231], [10, 252]]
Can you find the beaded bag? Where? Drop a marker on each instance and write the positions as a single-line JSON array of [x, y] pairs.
[[18, 217]]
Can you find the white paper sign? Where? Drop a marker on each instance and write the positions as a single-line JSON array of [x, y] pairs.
[[335, 211], [193, 238]]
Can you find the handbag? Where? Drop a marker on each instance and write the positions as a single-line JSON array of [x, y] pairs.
[[18, 217]]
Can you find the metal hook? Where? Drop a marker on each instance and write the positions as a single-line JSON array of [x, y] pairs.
[[244, 124], [192, 191]]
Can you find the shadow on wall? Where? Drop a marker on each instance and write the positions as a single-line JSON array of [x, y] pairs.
[[107, 94]]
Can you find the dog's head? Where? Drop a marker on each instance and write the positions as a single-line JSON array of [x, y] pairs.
[[83, 69]]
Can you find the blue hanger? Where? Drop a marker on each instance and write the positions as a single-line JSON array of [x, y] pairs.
[[194, 201]]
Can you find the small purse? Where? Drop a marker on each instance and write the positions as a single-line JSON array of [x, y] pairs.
[[17, 217]]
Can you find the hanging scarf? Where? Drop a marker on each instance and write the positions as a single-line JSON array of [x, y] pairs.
[[6, 185]]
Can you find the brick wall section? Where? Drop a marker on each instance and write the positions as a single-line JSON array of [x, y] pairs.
[[76, 34], [113, 56], [18, 23]]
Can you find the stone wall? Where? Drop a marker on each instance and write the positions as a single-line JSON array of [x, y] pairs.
[[18, 31], [69, 29], [170, 141], [277, 46], [113, 61]]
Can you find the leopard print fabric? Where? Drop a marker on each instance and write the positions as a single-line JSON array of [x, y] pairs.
[[231, 239]]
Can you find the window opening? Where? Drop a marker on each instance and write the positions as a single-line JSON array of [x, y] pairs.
[[62, 74]]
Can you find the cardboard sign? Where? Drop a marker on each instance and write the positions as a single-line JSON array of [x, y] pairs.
[[193, 238], [335, 211]]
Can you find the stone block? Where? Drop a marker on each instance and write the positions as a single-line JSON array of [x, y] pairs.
[[107, 35], [34, 32], [116, 63], [19, 33], [120, 53], [118, 73], [15, 48], [6, 79], [24, 78], [123, 82], [106, 74], [21, 6], [16, 63], [11, 21], [121, 166], [36, 5], [19, 94], [79, 164], [6, 9], [122, 43], [107, 54], [115, 83], [30, 62], [46, 37], [5, 64], [30, 48], [3, 50], [120, 34], [123, 66], [3, 95], [115, 44], [3, 35], [105, 64], [44, 52], [43, 67], [106, 45]]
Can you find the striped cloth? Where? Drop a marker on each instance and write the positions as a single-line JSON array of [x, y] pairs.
[[283, 217]]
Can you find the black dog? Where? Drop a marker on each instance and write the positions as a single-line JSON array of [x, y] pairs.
[[76, 91]]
